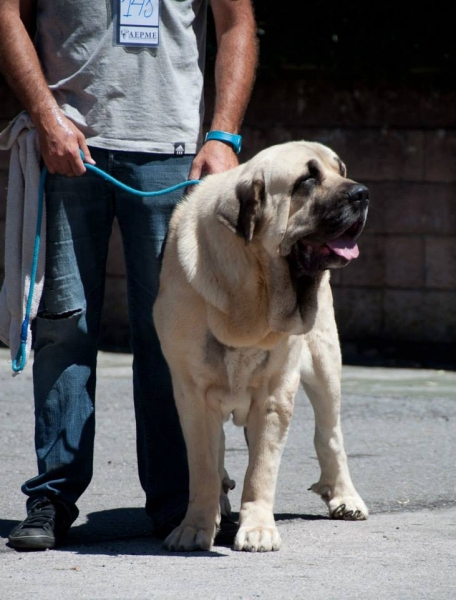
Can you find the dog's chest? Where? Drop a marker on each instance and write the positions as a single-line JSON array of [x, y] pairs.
[[244, 370], [241, 365], [238, 371]]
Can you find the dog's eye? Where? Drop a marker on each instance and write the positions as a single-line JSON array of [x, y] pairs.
[[304, 182], [309, 177]]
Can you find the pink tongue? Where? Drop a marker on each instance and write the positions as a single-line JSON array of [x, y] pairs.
[[344, 246]]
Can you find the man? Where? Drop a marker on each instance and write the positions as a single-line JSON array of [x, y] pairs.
[[122, 81]]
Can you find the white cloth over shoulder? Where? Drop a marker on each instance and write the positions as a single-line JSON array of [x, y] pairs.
[[20, 228]]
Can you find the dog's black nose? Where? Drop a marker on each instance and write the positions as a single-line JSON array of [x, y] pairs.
[[359, 193]]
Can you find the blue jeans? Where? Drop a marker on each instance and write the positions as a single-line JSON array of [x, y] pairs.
[[80, 213]]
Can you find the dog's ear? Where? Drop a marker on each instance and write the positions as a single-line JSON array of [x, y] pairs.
[[251, 197], [244, 209]]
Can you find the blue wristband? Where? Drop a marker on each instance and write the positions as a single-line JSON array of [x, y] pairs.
[[223, 136]]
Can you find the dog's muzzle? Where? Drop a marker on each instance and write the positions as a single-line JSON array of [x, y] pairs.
[[345, 244], [325, 251]]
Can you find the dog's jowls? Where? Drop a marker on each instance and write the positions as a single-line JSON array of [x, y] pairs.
[[244, 315]]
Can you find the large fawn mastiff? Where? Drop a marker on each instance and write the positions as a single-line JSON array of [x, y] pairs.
[[244, 315]]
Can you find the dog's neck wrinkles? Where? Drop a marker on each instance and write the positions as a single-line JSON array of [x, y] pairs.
[[273, 319], [235, 329], [249, 320], [291, 302]]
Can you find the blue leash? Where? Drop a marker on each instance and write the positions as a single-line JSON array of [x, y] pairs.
[[20, 361]]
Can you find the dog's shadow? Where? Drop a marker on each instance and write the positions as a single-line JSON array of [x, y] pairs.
[[298, 517], [128, 531]]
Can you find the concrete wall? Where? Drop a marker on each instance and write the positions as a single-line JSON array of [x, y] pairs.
[[397, 302]]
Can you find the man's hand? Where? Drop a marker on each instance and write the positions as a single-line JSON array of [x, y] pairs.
[[60, 142], [214, 157]]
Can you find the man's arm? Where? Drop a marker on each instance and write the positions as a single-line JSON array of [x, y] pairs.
[[235, 69], [60, 139]]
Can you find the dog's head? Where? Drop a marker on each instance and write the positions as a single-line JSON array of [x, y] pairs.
[[297, 199]]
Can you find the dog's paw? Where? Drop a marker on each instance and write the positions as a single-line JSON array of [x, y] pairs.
[[347, 505], [257, 539], [187, 538]]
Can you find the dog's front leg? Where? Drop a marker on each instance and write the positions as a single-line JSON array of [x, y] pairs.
[[201, 423], [266, 432], [321, 383]]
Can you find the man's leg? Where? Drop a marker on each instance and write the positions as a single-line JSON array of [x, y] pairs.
[[162, 460], [79, 216]]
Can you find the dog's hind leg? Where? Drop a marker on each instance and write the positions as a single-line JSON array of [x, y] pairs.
[[320, 377]]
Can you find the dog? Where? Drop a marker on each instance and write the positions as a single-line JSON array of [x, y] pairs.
[[244, 315]]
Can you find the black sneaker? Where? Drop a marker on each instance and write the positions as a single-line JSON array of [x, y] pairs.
[[45, 527]]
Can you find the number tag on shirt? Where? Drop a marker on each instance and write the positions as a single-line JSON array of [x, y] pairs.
[[138, 23]]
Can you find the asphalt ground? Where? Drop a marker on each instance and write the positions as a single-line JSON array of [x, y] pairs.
[[400, 435]]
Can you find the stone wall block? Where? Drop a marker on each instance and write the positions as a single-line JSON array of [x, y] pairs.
[[440, 157], [411, 107], [378, 154], [440, 263], [404, 262], [303, 101], [417, 208], [404, 315], [440, 319], [257, 139], [420, 316], [358, 312], [370, 155], [368, 270]]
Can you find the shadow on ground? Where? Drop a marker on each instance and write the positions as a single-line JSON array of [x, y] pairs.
[[128, 531]]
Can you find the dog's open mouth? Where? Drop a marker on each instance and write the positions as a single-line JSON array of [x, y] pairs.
[[345, 245], [308, 257]]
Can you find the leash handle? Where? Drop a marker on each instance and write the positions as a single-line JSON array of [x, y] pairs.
[[20, 361]]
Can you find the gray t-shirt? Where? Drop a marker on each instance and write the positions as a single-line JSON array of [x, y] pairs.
[[126, 98]]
